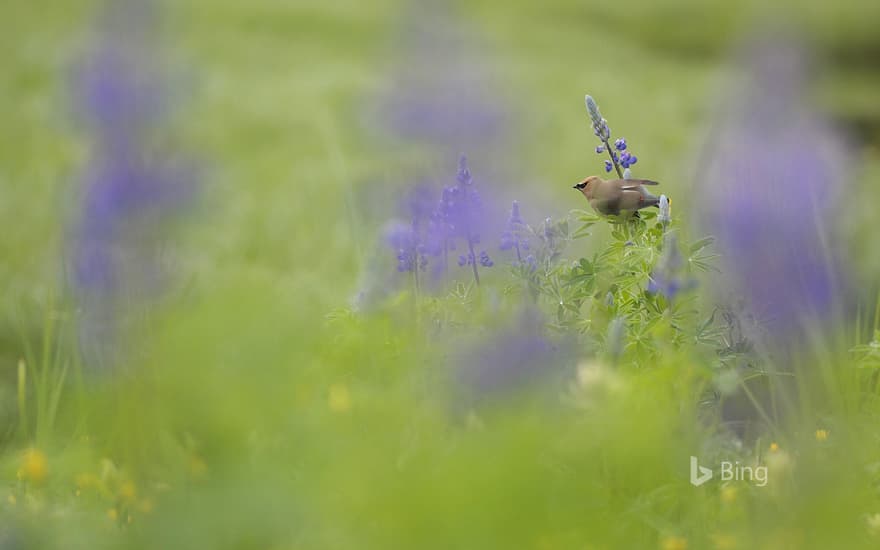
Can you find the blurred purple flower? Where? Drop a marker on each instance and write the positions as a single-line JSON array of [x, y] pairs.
[[131, 191], [515, 235], [116, 86], [773, 169], [404, 240], [668, 278], [508, 358], [459, 215], [441, 93]]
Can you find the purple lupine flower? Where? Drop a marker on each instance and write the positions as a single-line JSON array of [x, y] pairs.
[[620, 157], [627, 159], [116, 87], [459, 215], [515, 234], [131, 190], [409, 240], [773, 170], [403, 238], [668, 278], [441, 91], [509, 358]]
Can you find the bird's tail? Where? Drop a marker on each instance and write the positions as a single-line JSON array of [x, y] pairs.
[[648, 198], [652, 200]]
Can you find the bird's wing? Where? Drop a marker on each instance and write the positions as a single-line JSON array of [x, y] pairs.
[[605, 198], [631, 200], [635, 184]]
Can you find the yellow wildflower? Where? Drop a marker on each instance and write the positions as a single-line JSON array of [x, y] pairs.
[[774, 447], [34, 466], [127, 491], [674, 543], [821, 435], [728, 494]]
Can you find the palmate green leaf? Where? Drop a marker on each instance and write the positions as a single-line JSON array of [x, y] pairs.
[[562, 227], [587, 221], [868, 355], [582, 231], [701, 244], [702, 263], [584, 215], [700, 258]]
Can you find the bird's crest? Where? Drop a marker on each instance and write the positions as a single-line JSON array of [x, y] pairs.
[[585, 182]]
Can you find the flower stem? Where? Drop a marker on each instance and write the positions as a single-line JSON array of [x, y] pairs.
[[473, 258], [613, 160]]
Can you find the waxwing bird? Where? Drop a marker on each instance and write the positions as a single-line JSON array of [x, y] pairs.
[[611, 197]]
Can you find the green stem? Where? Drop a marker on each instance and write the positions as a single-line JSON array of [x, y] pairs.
[[473, 257], [22, 398]]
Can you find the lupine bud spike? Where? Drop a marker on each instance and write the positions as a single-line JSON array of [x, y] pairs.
[[664, 216]]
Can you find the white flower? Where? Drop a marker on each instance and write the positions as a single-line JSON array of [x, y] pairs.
[[664, 216]]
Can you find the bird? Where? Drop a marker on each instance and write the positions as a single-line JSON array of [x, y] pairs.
[[613, 197]]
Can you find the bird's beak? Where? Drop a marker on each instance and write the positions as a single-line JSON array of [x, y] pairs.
[[575, 186]]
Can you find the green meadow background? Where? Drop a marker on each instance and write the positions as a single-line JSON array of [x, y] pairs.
[[259, 409]]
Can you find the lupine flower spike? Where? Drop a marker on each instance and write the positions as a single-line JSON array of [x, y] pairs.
[[665, 216], [667, 278], [515, 236], [459, 215], [626, 194]]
